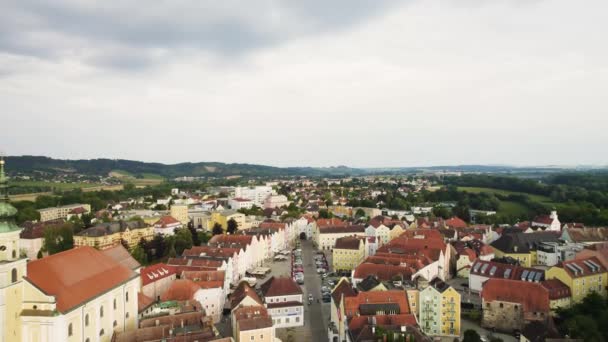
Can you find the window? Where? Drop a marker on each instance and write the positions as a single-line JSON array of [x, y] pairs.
[[14, 254], [297, 319], [262, 336], [70, 329], [101, 332], [127, 315], [127, 296], [252, 337], [501, 305], [86, 320], [115, 324], [101, 311], [87, 340], [14, 275], [114, 303]]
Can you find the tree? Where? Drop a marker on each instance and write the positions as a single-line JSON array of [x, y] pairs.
[[203, 237], [217, 229], [58, 239], [471, 335], [324, 214], [232, 226], [360, 213], [196, 241], [139, 254], [86, 220], [172, 251], [183, 240], [39, 255]]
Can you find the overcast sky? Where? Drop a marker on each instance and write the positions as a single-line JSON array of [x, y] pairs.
[[317, 83]]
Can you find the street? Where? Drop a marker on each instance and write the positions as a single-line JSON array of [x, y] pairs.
[[316, 315]]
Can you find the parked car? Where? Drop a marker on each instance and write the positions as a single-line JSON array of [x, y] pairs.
[[320, 270], [325, 289], [326, 298], [331, 282]]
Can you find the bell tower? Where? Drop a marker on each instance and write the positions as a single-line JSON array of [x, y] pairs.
[[12, 266]]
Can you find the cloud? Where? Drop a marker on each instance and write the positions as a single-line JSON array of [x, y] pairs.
[[101, 32]]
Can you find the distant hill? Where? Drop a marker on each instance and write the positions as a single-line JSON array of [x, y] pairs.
[[103, 167]]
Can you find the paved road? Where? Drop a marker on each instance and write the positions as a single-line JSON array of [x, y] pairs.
[[316, 315]]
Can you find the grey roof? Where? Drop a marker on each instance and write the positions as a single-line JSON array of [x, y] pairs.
[[523, 242]]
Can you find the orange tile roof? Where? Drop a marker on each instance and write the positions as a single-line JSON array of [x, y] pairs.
[[180, 289], [165, 221], [455, 222], [77, 276], [243, 290], [252, 318], [143, 302]]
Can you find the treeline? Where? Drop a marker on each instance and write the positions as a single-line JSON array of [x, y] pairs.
[[579, 197]]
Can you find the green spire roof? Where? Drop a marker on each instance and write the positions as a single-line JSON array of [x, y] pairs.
[[7, 211]]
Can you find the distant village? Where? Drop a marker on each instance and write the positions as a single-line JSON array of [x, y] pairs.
[[290, 260]]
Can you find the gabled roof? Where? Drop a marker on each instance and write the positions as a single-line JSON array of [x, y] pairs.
[[343, 287], [342, 229], [252, 318], [532, 296], [492, 269], [352, 305], [280, 286], [242, 291], [556, 289], [382, 272], [77, 276]]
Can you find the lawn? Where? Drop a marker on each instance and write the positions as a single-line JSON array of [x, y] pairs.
[[513, 209], [475, 190]]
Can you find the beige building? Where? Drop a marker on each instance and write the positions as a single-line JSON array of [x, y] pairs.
[[253, 323], [78, 295], [180, 213], [12, 267], [63, 212], [327, 236], [110, 234]]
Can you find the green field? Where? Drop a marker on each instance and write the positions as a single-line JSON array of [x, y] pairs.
[[127, 177], [513, 209], [476, 190], [56, 186]]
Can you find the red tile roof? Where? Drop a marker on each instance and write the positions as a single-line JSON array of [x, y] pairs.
[[156, 272], [280, 286], [344, 288], [352, 304], [455, 222], [77, 276], [342, 229], [556, 289], [532, 296], [330, 222]]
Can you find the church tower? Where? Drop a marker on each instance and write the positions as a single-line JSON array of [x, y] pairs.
[[12, 266]]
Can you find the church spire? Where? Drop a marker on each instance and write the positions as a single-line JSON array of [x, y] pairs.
[[3, 182]]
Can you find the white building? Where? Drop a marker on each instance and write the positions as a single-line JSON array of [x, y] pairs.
[[276, 201], [256, 194], [283, 300], [237, 203], [78, 295], [167, 225]]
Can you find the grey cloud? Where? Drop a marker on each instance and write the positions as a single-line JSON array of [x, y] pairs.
[[227, 28]]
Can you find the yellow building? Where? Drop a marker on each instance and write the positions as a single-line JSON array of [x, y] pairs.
[[522, 246], [110, 234], [222, 218], [348, 253], [180, 213], [439, 310], [396, 231], [582, 276]]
